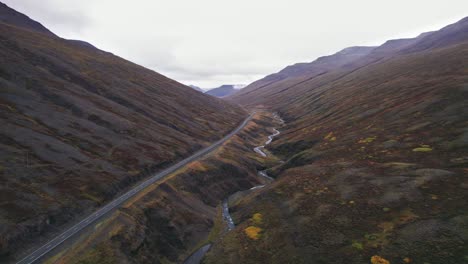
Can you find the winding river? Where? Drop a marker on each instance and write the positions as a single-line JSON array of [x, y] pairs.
[[196, 257]]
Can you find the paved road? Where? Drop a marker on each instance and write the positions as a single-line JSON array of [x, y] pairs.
[[196, 257], [46, 248]]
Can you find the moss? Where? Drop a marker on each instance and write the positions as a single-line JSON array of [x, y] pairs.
[[357, 245]]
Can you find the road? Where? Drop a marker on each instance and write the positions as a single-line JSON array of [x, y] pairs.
[[46, 248], [196, 257]]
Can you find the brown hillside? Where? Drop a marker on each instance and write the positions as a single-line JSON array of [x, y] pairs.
[[80, 125], [376, 161]]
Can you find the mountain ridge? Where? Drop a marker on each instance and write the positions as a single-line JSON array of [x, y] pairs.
[[224, 90]]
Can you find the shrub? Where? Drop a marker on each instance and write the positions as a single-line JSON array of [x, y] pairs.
[[253, 232], [379, 260], [257, 218]]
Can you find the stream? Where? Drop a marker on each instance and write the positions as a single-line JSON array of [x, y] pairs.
[[270, 138], [226, 216], [198, 255]]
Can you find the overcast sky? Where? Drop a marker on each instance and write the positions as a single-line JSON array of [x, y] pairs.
[[212, 42]]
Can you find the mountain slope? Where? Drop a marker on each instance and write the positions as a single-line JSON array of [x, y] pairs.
[[80, 125], [375, 161], [196, 88], [298, 73]]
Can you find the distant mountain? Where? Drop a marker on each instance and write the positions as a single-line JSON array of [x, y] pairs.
[[225, 90], [196, 88], [80, 125]]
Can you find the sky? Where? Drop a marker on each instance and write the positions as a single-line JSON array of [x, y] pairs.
[[208, 43]]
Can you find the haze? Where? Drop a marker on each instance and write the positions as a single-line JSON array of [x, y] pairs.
[[211, 42]]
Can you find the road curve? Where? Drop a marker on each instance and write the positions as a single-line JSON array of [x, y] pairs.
[[90, 219]]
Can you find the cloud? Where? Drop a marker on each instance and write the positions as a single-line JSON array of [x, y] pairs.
[[60, 16], [212, 42]]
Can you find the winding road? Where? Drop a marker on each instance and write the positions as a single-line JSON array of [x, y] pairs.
[[36, 255]]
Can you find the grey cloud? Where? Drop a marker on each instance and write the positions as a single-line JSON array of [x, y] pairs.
[[211, 42]]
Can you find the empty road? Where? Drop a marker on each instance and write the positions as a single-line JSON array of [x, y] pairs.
[[46, 248]]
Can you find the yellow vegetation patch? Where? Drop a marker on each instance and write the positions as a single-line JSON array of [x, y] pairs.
[[379, 260], [330, 137], [253, 232], [366, 140], [257, 218], [357, 245], [423, 148]]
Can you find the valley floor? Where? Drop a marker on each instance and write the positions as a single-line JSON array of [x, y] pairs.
[[174, 217]]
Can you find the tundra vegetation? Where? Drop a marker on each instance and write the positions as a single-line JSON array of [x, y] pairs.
[[375, 158], [178, 215]]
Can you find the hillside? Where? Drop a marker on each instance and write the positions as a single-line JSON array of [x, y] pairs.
[[298, 73], [375, 152], [196, 88], [80, 125], [222, 91]]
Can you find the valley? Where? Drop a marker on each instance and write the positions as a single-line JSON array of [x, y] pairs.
[[356, 157], [177, 215]]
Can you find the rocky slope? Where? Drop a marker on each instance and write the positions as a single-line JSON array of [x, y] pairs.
[[376, 161], [80, 125]]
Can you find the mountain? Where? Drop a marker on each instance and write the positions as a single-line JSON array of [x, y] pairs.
[[80, 125], [224, 90], [196, 88], [374, 155], [300, 72], [13, 18]]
